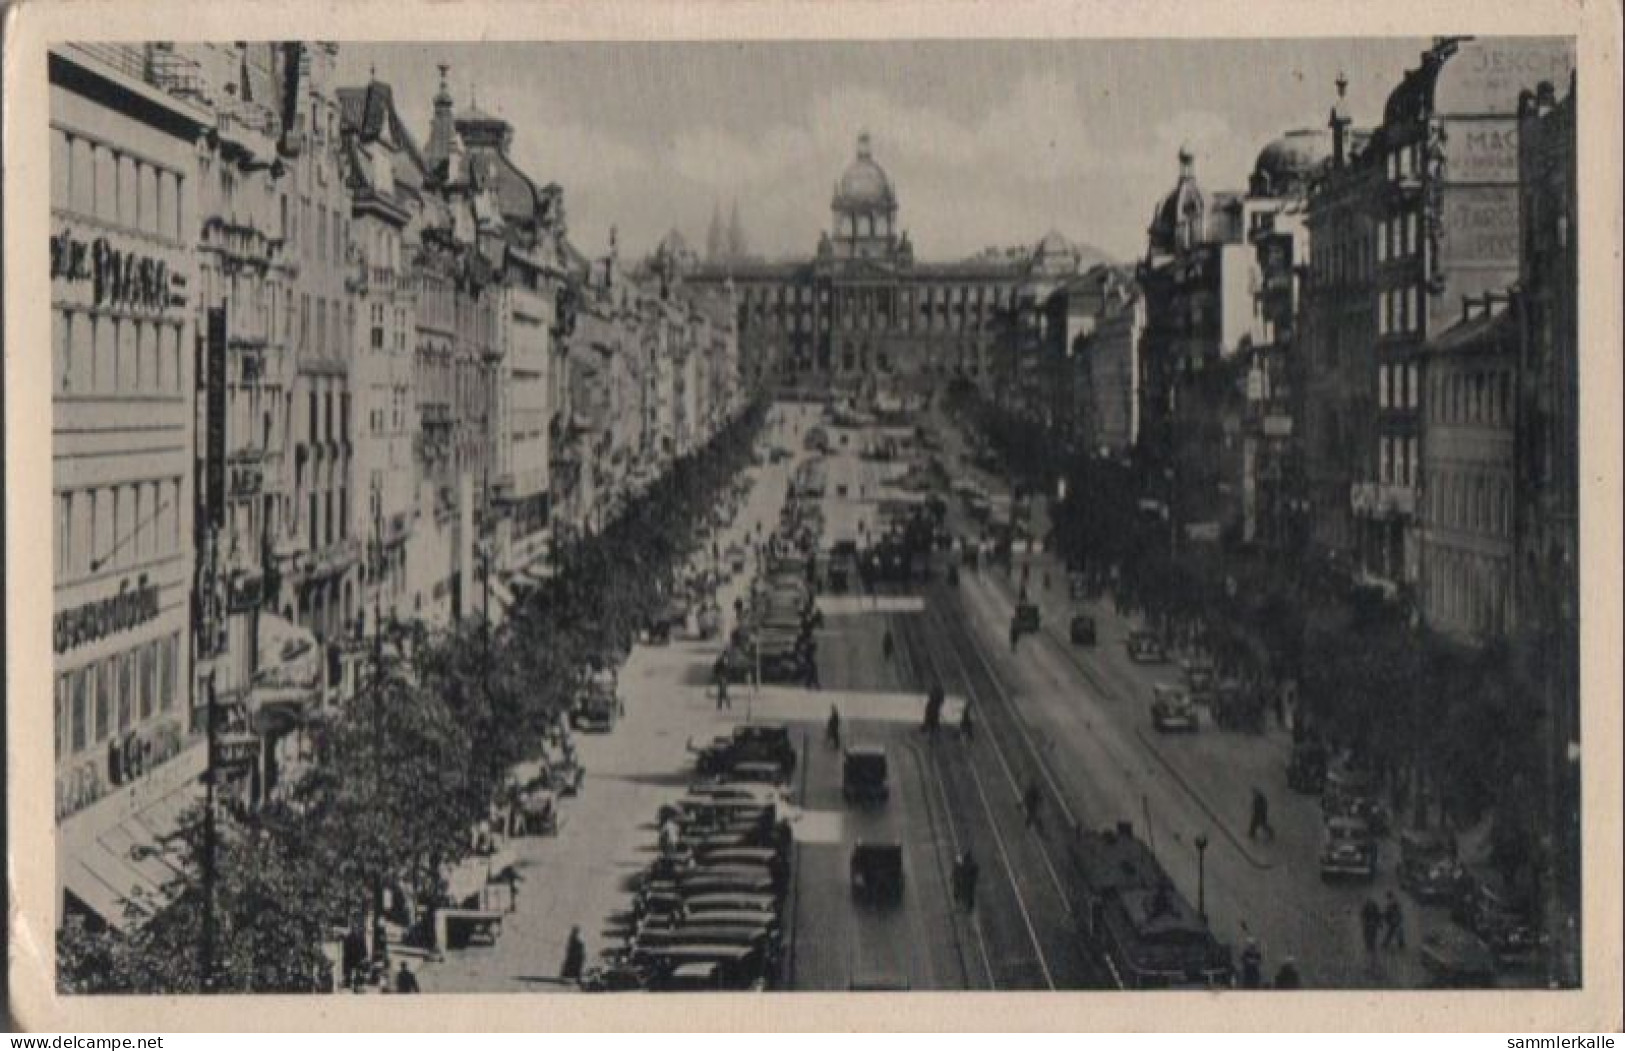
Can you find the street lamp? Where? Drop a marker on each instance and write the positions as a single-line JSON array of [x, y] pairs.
[[1201, 875]]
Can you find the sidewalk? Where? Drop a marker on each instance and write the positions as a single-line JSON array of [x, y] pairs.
[[585, 875]]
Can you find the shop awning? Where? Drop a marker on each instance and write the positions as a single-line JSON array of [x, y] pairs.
[[132, 861], [289, 656]]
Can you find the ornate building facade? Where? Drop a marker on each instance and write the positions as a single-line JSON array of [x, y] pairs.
[[862, 315]]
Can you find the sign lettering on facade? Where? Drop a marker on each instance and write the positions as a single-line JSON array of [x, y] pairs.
[[1488, 74], [129, 608], [1480, 226], [118, 278], [214, 453], [1481, 151]]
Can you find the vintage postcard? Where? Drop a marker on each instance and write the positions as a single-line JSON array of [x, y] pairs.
[[833, 506]]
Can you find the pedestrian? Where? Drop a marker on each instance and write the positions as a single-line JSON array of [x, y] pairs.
[[1370, 924], [1393, 919], [513, 878], [575, 956], [967, 729], [832, 728], [1015, 635], [1261, 817], [1252, 965], [354, 956], [1287, 976], [959, 880], [887, 645], [1031, 800], [722, 687], [405, 980], [971, 872]]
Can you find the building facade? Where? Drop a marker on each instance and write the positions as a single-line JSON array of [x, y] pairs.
[[862, 316], [123, 278], [1425, 216], [1469, 420]]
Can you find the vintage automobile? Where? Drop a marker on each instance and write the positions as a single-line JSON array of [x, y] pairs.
[[737, 967], [736, 665], [760, 773], [1237, 706], [1428, 866], [1027, 619], [595, 709], [1509, 932], [1306, 768], [1349, 850], [1354, 792], [1171, 709], [863, 774], [1144, 647], [876, 871], [1082, 630], [1454, 958], [1200, 680], [700, 904]]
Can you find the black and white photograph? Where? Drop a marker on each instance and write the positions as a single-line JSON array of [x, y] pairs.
[[573, 517]]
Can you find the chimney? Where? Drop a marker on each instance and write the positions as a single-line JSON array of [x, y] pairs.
[[1545, 98]]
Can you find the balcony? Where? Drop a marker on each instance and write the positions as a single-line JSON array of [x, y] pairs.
[[1380, 500]]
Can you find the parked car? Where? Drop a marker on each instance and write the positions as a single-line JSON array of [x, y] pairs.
[[1349, 850], [1199, 680], [1509, 932], [1026, 619], [1455, 958], [596, 710], [876, 871], [1083, 630], [863, 774], [1428, 866], [1145, 648], [1171, 709]]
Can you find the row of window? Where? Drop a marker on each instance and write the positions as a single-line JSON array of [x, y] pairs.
[[1405, 162], [1399, 311], [1398, 386], [1399, 237], [1468, 591], [1470, 500], [96, 353], [327, 316], [758, 297], [1398, 461], [114, 695], [1472, 398], [113, 527], [93, 179]]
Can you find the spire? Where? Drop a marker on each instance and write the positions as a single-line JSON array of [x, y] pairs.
[[1187, 162], [863, 146], [715, 246], [736, 234], [1340, 122]]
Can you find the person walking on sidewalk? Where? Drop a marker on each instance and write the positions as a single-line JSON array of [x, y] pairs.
[[1370, 924], [1261, 817], [1393, 919], [575, 957], [832, 728], [887, 645], [967, 729], [405, 980], [720, 672]]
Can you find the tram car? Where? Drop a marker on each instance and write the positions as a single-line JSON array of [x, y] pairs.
[[1132, 919]]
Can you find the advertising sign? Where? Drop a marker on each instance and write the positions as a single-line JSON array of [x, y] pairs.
[[214, 449], [1480, 227], [1481, 150]]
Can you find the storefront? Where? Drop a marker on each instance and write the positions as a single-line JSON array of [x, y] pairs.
[[122, 163]]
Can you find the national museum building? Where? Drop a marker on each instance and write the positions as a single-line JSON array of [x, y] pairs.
[[862, 315]]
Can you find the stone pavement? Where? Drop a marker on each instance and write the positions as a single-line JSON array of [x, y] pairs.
[[585, 875]]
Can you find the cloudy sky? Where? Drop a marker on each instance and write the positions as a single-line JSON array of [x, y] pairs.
[[985, 142]]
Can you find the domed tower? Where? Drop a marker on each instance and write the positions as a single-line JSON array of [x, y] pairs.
[[1285, 167], [864, 209]]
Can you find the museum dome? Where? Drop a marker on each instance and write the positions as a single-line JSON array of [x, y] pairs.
[[864, 184]]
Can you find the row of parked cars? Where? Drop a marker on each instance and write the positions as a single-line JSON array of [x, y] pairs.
[[708, 913]]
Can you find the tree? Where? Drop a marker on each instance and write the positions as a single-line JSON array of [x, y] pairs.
[[272, 909]]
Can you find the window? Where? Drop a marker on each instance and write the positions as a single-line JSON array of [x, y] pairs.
[[1382, 386], [79, 703], [166, 672], [168, 218], [104, 710], [1386, 467], [1413, 383], [124, 695], [148, 682], [64, 534]]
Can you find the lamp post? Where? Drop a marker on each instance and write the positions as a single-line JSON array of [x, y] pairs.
[[1201, 875]]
